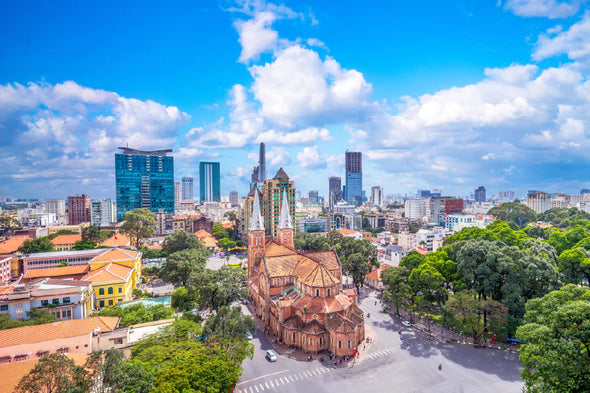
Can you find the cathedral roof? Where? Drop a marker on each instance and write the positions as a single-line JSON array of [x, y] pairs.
[[327, 258], [293, 323], [318, 276], [285, 217], [314, 327], [256, 221], [340, 324]]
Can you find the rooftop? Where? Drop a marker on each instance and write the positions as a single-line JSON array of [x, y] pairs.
[[56, 330], [111, 272], [63, 240], [12, 244], [127, 150], [56, 271], [118, 240]]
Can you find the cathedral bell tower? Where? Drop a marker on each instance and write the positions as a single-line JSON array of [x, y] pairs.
[[285, 227], [255, 237]]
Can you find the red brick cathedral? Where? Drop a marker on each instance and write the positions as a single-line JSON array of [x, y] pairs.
[[298, 294]]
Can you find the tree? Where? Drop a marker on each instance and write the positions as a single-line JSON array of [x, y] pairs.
[[180, 240], [84, 245], [54, 373], [32, 246], [91, 232], [412, 261], [357, 267], [229, 321], [184, 298], [219, 231], [516, 212], [217, 288], [139, 224], [556, 331], [231, 217], [35, 317], [137, 313], [9, 222], [573, 264], [180, 363], [396, 278], [180, 265], [427, 280], [466, 308]]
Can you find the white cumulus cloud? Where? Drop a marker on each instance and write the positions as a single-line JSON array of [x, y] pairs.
[[544, 8]]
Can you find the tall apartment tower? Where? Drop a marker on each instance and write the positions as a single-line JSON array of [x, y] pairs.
[[313, 197], [144, 179], [209, 180], [480, 194], [354, 177], [78, 209], [187, 188], [56, 206], [272, 195], [234, 198], [262, 164], [102, 213], [177, 196], [377, 196]]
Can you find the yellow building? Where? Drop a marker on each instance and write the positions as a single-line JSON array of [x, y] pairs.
[[65, 242], [74, 228], [112, 282], [120, 257]]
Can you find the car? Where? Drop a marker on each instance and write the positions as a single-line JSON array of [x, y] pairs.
[[249, 336], [406, 323], [270, 356]]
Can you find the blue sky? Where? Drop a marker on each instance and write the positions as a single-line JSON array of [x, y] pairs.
[[450, 95]]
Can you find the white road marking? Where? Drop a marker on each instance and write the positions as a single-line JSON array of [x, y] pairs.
[[256, 387], [271, 384], [266, 385], [262, 376], [251, 391], [292, 380]]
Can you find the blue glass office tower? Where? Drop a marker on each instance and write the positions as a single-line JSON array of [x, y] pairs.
[[209, 181], [144, 179], [354, 178]]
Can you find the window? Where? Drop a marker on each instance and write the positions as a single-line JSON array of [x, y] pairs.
[[110, 290], [311, 341], [119, 340], [111, 302], [58, 315], [101, 291], [348, 343], [317, 293], [45, 303], [55, 301], [339, 344], [4, 307], [101, 304], [120, 290], [66, 300], [293, 336], [328, 292], [320, 341]]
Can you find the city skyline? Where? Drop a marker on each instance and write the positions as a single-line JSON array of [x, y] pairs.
[[499, 98]]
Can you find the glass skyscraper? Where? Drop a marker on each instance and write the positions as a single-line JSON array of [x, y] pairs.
[[209, 180], [144, 179], [354, 178]]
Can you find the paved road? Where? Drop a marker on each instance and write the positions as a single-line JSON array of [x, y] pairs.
[[390, 365]]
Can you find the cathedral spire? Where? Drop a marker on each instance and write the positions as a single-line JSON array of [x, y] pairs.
[[256, 221], [285, 217]]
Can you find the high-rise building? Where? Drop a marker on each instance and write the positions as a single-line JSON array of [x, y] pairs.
[[354, 178], [377, 196], [209, 180], [334, 190], [480, 194], [187, 188], [78, 209], [262, 164], [254, 179], [506, 195], [177, 196], [56, 206], [144, 179], [313, 197], [416, 208], [234, 198], [272, 190], [102, 213]]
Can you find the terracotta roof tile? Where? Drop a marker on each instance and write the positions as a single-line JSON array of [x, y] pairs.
[[281, 266], [275, 250], [314, 327], [115, 254], [10, 246], [112, 272], [206, 239], [327, 258], [422, 251], [56, 330], [293, 323], [63, 240], [319, 276], [118, 240], [56, 271], [6, 290]]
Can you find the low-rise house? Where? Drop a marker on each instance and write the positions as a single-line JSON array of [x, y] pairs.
[[207, 240], [125, 337], [113, 283], [5, 272], [65, 242], [74, 336], [394, 254], [373, 279], [65, 299], [119, 256], [11, 245]]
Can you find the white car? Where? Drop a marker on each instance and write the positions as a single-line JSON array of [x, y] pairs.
[[249, 336], [270, 356], [406, 323]]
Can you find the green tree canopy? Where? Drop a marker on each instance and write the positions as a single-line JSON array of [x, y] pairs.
[[54, 373], [180, 240], [516, 212], [229, 321], [180, 265], [412, 260], [33, 246], [84, 245], [137, 313], [556, 355], [357, 267], [91, 232], [396, 278], [139, 224], [218, 288]]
